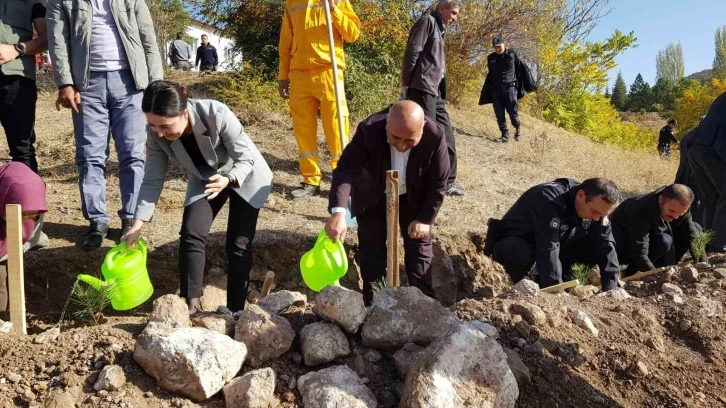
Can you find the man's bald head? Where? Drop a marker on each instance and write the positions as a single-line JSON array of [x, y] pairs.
[[404, 125]]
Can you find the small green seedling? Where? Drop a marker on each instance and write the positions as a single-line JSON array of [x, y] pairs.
[[699, 240], [93, 301], [379, 285], [581, 272]]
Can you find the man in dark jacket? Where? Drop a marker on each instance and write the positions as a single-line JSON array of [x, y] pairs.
[[707, 157], [207, 55], [508, 80], [655, 229], [400, 138], [666, 137], [684, 176], [556, 225], [423, 74]]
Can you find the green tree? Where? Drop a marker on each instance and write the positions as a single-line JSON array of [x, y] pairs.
[[607, 92], [665, 94], [170, 17], [640, 97], [719, 61], [669, 63], [619, 98]]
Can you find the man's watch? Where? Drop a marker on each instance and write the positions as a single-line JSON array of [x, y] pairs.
[[232, 180], [20, 48]]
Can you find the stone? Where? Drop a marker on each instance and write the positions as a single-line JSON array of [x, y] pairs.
[[533, 314], [111, 378], [48, 336], [5, 327], [373, 356], [638, 369], [277, 302], [519, 369], [322, 342], [634, 285], [13, 378], [27, 396], [254, 389], [716, 284], [535, 348], [266, 335], [193, 362], [220, 323], [61, 400], [655, 342], [405, 356], [400, 315], [485, 328], [707, 307], [342, 306], [689, 274], [719, 273], [702, 266], [617, 294], [582, 320], [337, 386], [524, 329], [685, 325], [292, 384], [464, 367], [170, 310], [675, 298], [288, 397], [296, 358], [527, 287], [584, 292], [214, 293], [669, 288]]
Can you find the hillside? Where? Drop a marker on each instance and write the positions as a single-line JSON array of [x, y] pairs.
[[703, 76], [494, 175]]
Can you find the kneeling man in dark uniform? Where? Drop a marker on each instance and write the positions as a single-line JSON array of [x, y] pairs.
[[556, 225], [655, 229], [399, 138]]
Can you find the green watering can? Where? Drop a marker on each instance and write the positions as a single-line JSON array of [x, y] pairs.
[[125, 268], [325, 264]]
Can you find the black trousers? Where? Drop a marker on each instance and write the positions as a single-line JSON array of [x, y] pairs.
[[241, 226], [709, 170], [505, 99], [435, 108], [517, 255], [206, 66], [372, 233], [17, 116]]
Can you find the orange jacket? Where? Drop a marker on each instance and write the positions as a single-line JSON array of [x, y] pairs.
[[304, 35]]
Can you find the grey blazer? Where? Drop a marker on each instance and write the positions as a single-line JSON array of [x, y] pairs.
[[226, 148]]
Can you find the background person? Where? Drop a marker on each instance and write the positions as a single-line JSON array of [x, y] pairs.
[[207, 58]]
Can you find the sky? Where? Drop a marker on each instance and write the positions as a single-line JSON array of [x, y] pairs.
[[657, 23]]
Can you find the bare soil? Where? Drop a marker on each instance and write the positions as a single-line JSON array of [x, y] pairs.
[[686, 373]]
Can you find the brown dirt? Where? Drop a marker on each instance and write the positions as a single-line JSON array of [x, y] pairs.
[[494, 176]]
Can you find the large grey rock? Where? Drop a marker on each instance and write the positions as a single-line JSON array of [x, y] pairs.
[[532, 313], [462, 368], [341, 306], [322, 342], [220, 323], [170, 310], [266, 335], [255, 389], [519, 369], [111, 378], [279, 301], [404, 314], [527, 287], [485, 328], [48, 336], [337, 386], [405, 356], [193, 362]]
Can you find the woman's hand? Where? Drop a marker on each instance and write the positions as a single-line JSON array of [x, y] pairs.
[[133, 234], [216, 184]]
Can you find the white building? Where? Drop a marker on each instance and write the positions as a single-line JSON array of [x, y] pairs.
[[228, 59]]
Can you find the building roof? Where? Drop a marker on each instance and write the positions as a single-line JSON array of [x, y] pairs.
[[206, 26]]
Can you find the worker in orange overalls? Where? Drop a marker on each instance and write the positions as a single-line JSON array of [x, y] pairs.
[[306, 80]]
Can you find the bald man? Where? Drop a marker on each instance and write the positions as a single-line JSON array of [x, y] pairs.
[[398, 138]]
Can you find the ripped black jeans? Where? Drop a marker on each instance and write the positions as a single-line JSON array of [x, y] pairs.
[[241, 226]]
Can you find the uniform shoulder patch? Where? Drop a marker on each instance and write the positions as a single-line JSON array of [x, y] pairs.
[[555, 223], [605, 221]]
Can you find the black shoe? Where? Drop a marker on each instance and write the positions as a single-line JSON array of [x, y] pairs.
[[454, 191], [517, 135], [95, 235], [126, 225], [305, 191], [503, 139]]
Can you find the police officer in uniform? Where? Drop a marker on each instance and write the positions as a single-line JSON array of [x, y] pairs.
[[655, 229], [556, 225], [666, 137], [508, 80]]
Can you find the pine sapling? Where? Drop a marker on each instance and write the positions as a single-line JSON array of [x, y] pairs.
[[93, 301], [581, 272], [699, 241]]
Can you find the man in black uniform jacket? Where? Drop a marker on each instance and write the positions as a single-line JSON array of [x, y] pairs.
[[655, 229], [666, 137], [556, 225]]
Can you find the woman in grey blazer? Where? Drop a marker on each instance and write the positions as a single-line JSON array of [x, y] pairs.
[[221, 163]]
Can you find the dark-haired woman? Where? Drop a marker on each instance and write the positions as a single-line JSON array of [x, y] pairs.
[[222, 163]]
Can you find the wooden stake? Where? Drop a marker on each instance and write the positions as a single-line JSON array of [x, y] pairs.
[[561, 286], [16, 279], [392, 275], [267, 284], [639, 275]]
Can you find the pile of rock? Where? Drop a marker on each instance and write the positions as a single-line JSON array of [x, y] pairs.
[[441, 359]]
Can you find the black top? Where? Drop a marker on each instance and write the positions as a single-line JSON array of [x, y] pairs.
[[666, 136], [636, 219], [37, 12], [502, 68], [207, 54], [545, 216], [192, 147]]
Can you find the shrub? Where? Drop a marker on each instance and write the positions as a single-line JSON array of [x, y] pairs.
[[697, 99]]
